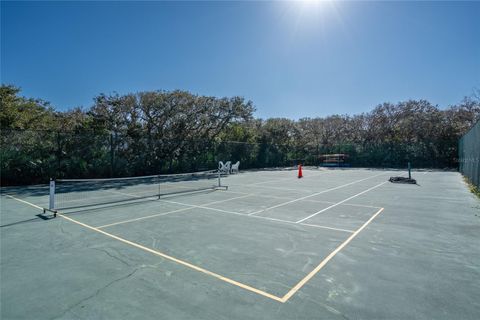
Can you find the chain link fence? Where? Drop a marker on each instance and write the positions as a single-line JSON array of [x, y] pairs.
[[469, 154], [30, 156]]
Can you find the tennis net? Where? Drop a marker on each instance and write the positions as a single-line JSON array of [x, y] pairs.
[[77, 193]]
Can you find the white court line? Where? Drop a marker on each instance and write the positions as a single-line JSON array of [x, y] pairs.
[[323, 227], [259, 217], [338, 203], [257, 195], [257, 184], [275, 188], [360, 205], [287, 178], [345, 204], [203, 207], [311, 200], [165, 213], [278, 188], [315, 194], [141, 218]]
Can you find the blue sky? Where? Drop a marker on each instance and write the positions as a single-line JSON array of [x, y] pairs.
[[292, 59]]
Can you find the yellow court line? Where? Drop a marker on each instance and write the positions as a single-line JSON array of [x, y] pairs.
[[184, 263], [302, 282], [283, 299], [23, 201], [163, 255]]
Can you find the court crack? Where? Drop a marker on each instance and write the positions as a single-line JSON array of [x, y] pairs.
[[112, 256], [325, 306], [95, 293]]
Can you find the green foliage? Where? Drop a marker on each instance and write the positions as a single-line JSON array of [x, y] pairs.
[[473, 188], [159, 131], [21, 113]]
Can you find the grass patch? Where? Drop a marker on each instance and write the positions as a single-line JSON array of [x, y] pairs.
[[473, 189]]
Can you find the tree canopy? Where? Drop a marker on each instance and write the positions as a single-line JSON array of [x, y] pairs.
[[172, 131]]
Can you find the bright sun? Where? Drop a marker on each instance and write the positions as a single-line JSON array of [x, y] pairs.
[[311, 5], [308, 15]]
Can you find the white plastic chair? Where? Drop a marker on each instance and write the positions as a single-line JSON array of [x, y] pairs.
[[235, 167], [228, 164], [224, 167]]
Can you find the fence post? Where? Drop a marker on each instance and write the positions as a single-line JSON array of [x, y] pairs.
[[59, 153], [112, 155]]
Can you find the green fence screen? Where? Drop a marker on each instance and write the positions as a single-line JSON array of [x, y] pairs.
[[469, 154], [29, 156]]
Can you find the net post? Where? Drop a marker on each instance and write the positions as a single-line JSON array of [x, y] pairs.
[[219, 182], [409, 171], [51, 203]]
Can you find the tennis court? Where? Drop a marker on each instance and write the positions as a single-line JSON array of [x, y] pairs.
[[261, 244]]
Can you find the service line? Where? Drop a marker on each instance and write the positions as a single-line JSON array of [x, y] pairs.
[[315, 194], [311, 200], [287, 178], [340, 202], [169, 212], [258, 217]]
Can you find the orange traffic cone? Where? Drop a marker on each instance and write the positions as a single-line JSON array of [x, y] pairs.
[[300, 175]]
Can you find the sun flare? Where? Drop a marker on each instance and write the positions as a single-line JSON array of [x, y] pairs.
[[311, 3]]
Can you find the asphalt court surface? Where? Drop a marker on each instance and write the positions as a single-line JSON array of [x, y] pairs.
[[271, 246]]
